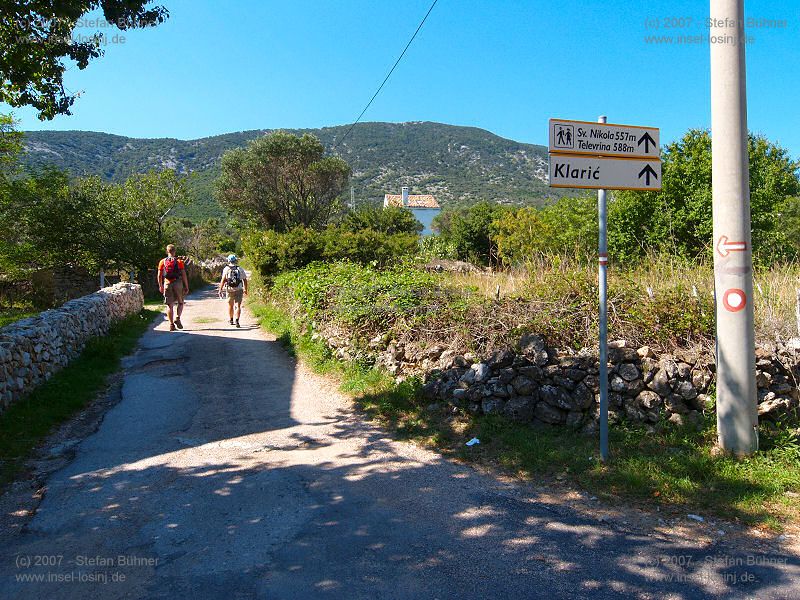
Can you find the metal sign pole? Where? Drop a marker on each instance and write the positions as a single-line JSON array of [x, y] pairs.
[[737, 413], [602, 248]]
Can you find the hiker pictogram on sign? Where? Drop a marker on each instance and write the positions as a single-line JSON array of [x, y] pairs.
[[565, 136]]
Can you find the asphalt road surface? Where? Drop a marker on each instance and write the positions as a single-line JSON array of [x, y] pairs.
[[229, 471]]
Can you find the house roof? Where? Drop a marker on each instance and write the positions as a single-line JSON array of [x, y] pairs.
[[414, 200]]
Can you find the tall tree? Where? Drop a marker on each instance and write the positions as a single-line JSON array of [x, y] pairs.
[[38, 36], [787, 236], [144, 201], [10, 146], [89, 223], [678, 219], [10, 143], [280, 181], [471, 231]]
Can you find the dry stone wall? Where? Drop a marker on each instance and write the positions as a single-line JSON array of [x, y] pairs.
[[33, 349], [536, 383]]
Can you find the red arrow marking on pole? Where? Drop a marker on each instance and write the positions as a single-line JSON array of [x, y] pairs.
[[724, 247]]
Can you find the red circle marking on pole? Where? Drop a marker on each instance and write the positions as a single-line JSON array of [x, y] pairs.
[[734, 300]]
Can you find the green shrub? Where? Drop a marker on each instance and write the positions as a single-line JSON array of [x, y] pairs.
[[389, 220], [272, 253], [434, 247], [567, 309], [361, 295], [672, 316], [557, 301], [568, 227], [368, 246], [470, 231], [311, 285], [227, 246]]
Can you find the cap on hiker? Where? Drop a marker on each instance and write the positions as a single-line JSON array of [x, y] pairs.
[[232, 258]]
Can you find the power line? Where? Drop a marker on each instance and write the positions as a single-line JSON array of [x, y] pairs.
[[399, 58]]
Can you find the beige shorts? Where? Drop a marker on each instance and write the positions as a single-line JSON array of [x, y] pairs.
[[173, 292], [235, 296]]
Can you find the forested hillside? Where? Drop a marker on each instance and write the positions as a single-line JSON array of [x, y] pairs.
[[460, 165]]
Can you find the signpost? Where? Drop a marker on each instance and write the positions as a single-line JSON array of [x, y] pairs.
[[605, 156]]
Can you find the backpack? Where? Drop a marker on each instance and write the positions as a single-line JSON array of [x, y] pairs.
[[171, 269], [234, 278]]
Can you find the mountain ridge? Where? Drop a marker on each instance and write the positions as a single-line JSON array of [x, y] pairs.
[[458, 164]]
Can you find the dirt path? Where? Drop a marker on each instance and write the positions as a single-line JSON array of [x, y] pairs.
[[229, 471]]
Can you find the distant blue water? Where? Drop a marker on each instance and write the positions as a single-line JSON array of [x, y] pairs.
[[426, 216]]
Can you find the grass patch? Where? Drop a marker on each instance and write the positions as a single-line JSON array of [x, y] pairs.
[[673, 468], [154, 305], [204, 320], [26, 423], [11, 315]]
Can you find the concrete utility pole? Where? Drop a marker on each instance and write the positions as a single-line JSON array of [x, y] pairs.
[[737, 414]]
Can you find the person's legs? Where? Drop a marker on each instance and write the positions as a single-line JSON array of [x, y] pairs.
[[239, 296], [169, 301], [177, 289], [231, 300]]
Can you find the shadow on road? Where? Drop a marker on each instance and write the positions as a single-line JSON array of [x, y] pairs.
[[381, 525], [222, 475]]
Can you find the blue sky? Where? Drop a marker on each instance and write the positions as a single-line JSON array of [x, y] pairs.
[[503, 65]]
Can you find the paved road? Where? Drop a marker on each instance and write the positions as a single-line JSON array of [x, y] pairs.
[[229, 471]]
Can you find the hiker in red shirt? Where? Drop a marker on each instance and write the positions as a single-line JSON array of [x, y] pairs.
[[173, 284]]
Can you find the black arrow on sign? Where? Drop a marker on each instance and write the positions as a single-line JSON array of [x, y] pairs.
[[647, 141], [647, 172]]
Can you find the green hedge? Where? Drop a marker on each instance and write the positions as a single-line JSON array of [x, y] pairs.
[[560, 304], [272, 253], [359, 295]]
